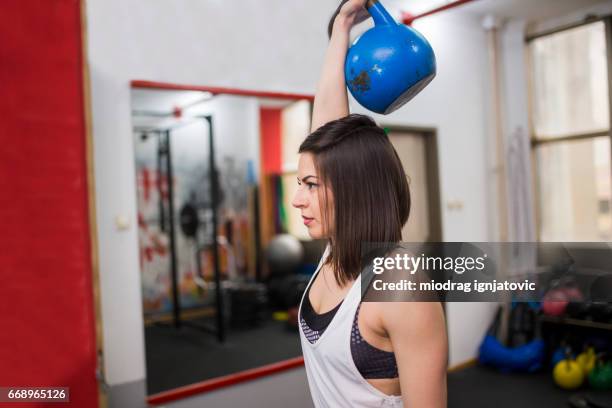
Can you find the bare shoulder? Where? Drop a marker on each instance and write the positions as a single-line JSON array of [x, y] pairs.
[[403, 318]]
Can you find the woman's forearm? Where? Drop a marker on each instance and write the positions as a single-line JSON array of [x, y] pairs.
[[331, 99]]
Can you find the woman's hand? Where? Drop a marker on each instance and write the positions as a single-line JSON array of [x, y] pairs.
[[349, 13]]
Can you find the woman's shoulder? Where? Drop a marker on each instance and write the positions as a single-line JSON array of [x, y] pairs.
[[403, 318]]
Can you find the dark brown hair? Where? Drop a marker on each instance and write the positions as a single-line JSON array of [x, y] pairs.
[[330, 25], [371, 198]]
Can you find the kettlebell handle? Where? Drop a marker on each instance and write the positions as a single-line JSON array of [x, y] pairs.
[[380, 15]]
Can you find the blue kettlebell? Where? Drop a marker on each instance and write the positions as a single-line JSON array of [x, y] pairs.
[[389, 64]]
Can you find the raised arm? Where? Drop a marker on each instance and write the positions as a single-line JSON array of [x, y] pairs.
[[331, 99]]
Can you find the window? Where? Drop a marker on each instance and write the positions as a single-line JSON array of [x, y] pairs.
[[571, 133]]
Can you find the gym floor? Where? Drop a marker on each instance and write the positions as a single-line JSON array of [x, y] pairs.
[[483, 387], [185, 356], [178, 357]]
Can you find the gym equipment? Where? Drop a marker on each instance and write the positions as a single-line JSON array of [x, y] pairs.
[[577, 310], [292, 319], [590, 400], [280, 316], [578, 401], [189, 225], [527, 357], [573, 293], [523, 358], [587, 360], [600, 400], [600, 343], [284, 254], [554, 302], [189, 220], [600, 378], [248, 303], [389, 64], [600, 311], [522, 325], [562, 293], [601, 288], [559, 355], [286, 292], [568, 374]]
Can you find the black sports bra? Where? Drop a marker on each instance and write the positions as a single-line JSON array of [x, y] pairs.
[[371, 362]]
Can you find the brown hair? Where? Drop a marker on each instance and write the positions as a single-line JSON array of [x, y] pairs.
[[357, 162]]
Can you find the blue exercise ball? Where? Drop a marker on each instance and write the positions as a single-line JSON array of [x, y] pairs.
[[389, 64]]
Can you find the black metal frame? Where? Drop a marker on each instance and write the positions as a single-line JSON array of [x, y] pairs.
[[165, 155]]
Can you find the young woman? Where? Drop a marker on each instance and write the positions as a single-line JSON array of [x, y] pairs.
[[353, 190]]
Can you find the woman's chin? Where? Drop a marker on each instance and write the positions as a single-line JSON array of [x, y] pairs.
[[315, 233]]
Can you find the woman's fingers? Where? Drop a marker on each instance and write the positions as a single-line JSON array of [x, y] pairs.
[[349, 12], [362, 15], [352, 8]]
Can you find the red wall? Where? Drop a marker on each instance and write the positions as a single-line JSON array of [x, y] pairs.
[[47, 335], [271, 140]]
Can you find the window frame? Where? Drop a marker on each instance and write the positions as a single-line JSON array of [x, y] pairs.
[[534, 140]]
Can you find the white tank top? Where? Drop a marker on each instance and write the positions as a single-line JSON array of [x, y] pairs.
[[332, 375]]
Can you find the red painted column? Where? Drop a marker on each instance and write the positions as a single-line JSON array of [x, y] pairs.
[[47, 335], [271, 140]]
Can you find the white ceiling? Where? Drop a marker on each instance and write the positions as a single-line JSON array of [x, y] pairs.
[[532, 10], [164, 100]]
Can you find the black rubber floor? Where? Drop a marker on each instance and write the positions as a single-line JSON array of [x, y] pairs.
[[185, 356], [477, 387], [181, 357]]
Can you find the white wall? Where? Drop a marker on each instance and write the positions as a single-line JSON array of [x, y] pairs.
[[276, 47], [237, 44], [456, 103]]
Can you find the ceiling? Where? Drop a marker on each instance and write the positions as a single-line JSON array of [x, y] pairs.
[[531, 10], [164, 100], [153, 107]]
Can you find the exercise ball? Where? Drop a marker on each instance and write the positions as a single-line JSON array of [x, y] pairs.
[[573, 293], [284, 254], [568, 374], [554, 303], [389, 64]]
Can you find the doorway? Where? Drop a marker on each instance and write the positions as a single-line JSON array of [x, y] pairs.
[[417, 150]]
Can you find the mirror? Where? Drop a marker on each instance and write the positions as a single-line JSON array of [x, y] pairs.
[[223, 259]]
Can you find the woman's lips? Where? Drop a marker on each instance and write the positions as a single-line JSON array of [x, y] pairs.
[[307, 220]]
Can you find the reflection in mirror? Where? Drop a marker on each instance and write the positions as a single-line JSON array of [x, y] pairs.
[[223, 260]]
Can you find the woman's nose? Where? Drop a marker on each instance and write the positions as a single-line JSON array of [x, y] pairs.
[[299, 200]]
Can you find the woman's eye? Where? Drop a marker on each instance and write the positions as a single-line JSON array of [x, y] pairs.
[[311, 185]]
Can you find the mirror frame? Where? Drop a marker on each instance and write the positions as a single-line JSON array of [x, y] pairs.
[[249, 374]]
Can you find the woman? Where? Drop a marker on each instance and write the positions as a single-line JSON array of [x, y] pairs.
[[352, 190]]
